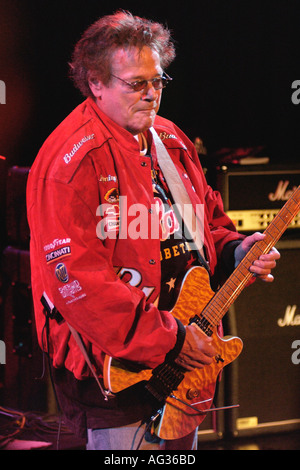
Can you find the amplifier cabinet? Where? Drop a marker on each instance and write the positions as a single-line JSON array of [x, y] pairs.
[[23, 389], [16, 215], [3, 176], [265, 379], [252, 196]]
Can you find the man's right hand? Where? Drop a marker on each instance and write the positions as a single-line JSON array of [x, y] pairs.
[[197, 350]]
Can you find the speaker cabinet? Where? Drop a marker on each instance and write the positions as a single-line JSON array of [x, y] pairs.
[[3, 177], [16, 216], [265, 379], [23, 388]]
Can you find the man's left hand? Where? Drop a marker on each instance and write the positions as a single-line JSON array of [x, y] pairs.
[[263, 266]]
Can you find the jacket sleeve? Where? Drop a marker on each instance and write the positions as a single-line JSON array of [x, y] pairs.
[[110, 315]]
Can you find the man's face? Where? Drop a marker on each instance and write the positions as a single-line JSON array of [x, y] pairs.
[[135, 111]]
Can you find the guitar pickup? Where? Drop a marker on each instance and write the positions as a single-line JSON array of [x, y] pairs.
[[203, 324]]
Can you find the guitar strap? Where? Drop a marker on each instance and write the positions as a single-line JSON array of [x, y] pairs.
[[52, 313], [106, 394], [192, 221]]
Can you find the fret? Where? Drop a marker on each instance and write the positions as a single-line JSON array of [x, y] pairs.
[[270, 235], [223, 296], [210, 314], [274, 227], [281, 222]]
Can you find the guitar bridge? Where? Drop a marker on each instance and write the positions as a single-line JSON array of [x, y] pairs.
[[164, 380]]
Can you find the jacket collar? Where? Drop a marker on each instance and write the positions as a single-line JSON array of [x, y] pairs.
[[118, 133]]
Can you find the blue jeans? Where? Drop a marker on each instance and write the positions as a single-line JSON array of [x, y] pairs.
[[128, 438]]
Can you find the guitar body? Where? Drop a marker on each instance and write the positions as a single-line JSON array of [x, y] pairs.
[[197, 391], [198, 386]]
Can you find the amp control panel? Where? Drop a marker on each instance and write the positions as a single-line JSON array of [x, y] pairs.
[[251, 220]]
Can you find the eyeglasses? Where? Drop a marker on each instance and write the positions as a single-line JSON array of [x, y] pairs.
[[139, 85]]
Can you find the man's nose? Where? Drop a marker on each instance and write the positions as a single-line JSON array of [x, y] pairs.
[[150, 93]]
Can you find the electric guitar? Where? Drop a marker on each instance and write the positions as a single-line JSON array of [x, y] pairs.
[[185, 409]]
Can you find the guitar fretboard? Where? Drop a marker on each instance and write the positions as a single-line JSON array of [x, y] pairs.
[[228, 293]]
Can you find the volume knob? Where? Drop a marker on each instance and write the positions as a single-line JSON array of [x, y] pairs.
[[192, 393]]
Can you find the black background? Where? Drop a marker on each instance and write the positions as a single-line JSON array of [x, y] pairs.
[[235, 64]]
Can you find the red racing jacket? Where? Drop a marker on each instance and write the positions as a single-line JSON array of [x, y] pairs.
[[86, 253]]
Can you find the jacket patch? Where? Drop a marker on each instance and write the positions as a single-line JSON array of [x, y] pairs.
[[112, 196], [68, 156], [61, 272], [61, 252], [165, 135], [107, 179], [69, 290], [56, 243]]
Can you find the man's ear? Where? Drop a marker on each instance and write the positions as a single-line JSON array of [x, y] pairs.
[[96, 87]]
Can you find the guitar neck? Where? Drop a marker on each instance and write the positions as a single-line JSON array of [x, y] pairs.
[[228, 293]]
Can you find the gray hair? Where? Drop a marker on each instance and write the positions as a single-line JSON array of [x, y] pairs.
[[93, 53]]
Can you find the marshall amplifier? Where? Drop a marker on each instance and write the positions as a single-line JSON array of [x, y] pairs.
[[253, 195], [265, 379]]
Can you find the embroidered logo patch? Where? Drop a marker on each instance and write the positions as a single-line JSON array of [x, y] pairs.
[[61, 272], [56, 243], [164, 135], [69, 290], [106, 179], [61, 252], [68, 156], [112, 196]]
